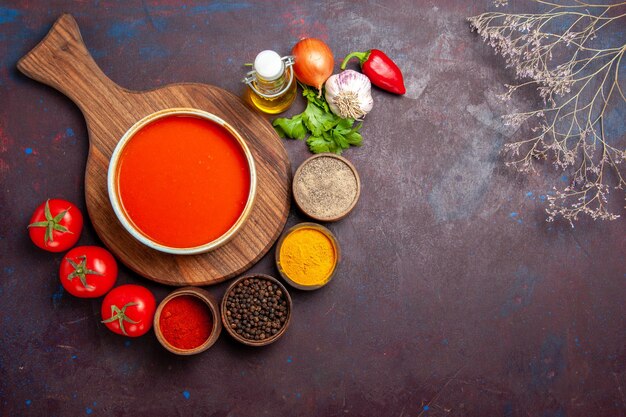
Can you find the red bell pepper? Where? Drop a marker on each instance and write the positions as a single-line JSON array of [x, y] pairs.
[[380, 69]]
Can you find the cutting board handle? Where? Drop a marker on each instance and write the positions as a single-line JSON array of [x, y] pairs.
[[61, 60]]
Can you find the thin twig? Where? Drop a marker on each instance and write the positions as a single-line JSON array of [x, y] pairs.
[[579, 88]]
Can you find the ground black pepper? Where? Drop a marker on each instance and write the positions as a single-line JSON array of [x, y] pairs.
[[326, 187], [256, 309]]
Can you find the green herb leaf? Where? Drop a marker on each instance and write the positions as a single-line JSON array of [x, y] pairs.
[[318, 144], [340, 140], [317, 120], [312, 97], [328, 132], [354, 137], [292, 128]]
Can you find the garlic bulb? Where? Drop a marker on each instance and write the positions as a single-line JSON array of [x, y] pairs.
[[349, 94]]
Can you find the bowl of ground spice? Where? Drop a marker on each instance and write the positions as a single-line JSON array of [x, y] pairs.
[[307, 256], [256, 309], [326, 187], [187, 321]]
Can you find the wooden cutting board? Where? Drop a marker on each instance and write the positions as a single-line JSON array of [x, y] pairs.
[[62, 61]]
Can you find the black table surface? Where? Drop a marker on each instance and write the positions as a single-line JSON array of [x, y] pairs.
[[454, 296]]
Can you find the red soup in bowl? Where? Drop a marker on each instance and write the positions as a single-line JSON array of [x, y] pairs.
[[182, 181]]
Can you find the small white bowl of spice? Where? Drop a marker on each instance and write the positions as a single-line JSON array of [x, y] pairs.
[[326, 187]]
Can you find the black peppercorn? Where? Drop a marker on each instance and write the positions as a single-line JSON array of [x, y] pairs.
[[256, 309]]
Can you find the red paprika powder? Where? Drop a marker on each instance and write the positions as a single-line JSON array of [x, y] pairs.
[[186, 322]]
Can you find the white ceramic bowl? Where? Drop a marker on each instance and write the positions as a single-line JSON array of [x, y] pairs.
[[122, 216]]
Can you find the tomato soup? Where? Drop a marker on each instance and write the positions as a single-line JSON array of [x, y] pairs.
[[183, 181]]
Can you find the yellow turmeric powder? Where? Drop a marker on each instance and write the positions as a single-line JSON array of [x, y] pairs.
[[307, 256]]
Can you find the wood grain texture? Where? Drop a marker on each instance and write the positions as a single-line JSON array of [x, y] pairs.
[[62, 61]]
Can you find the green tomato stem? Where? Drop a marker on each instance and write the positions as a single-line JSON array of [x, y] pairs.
[[81, 271], [120, 315], [51, 223]]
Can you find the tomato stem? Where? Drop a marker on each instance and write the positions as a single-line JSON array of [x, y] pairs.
[[81, 271], [51, 223], [120, 315]]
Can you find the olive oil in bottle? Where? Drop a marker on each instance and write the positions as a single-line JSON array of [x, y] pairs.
[[271, 86]]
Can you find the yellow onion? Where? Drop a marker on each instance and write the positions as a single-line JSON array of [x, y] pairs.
[[313, 62]]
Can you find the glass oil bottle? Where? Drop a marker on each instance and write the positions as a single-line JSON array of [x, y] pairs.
[[271, 86]]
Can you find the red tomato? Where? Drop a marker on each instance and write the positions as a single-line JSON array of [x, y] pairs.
[[128, 310], [88, 271], [56, 225]]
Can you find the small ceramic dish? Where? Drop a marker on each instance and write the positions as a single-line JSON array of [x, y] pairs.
[[281, 251], [198, 161], [212, 308], [240, 321], [326, 187]]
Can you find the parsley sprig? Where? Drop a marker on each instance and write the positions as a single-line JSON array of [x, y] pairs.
[[327, 131]]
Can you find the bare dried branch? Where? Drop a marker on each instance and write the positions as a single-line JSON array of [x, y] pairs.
[[578, 78]]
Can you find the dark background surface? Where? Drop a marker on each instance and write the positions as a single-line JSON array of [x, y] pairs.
[[454, 296]]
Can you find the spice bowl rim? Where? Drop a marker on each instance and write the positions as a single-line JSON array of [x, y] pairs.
[[242, 339], [328, 234], [215, 318], [116, 201], [356, 197]]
